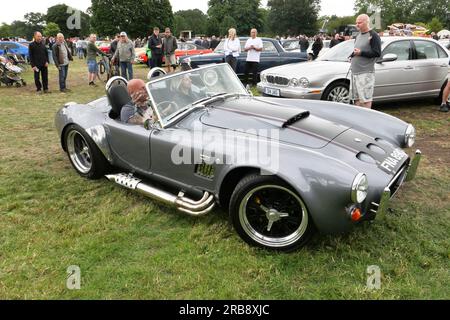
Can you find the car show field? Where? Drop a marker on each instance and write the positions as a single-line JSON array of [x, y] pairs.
[[128, 246]]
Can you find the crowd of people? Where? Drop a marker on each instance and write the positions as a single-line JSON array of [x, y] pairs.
[[60, 51]]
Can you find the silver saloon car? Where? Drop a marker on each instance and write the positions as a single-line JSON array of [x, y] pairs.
[[409, 68]]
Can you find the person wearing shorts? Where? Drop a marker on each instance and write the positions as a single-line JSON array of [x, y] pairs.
[[169, 46], [445, 95], [367, 50], [92, 51]]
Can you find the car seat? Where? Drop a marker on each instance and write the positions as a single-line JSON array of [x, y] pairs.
[[118, 96]]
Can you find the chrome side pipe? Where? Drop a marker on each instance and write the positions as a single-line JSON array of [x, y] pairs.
[[184, 204]]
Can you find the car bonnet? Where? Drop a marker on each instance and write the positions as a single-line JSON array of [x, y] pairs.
[[253, 116]]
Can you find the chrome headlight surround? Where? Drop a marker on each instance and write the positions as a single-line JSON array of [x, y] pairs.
[[410, 136], [294, 82], [360, 186], [303, 82]]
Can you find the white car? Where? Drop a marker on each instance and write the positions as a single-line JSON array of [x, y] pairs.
[[410, 67]]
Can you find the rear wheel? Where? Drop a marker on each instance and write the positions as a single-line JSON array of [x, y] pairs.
[[102, 73], [337, 92], [267, 213], [83, 153]]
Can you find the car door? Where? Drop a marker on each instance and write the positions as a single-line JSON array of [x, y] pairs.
[[395, 78], [130, 145], [177, 154], [270, 57], [431, 65]]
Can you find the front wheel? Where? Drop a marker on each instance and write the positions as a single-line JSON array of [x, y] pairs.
[[102, 73], [83, 153], [337, 92], [267, 213]]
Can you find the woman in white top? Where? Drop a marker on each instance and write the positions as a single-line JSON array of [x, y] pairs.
[[232, 47]]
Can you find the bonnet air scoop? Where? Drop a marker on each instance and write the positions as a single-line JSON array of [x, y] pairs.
[[295, 119]]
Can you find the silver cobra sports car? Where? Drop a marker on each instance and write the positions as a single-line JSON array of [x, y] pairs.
[[410, 68], [283, 168]]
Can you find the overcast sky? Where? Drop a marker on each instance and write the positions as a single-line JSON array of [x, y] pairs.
[[16, 11]]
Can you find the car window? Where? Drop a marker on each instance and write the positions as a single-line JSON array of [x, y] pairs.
[[426, 50], [401, 48], [269, 47], [219, 48], [9, 45], [340, 52], [442, 53], [190, 46]]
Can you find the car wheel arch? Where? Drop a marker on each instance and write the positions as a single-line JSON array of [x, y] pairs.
[[230, 181], [332, 82], [103, 146], [232, 178]]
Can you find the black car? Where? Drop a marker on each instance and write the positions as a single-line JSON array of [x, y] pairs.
[[272, 55]]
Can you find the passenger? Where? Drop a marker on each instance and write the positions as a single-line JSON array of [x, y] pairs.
[[138, 111], [187, 92]]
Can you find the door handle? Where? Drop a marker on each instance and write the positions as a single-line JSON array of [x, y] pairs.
[[408, 68], [445, 65]]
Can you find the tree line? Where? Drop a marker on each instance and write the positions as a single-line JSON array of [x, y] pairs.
[[280, 17]]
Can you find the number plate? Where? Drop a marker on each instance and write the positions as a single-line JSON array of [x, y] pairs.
[[392, 163], [272, 92]]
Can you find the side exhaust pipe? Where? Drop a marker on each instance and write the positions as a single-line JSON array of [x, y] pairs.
[[184, 204]]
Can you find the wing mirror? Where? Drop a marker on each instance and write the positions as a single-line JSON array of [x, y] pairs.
[[388, 58]]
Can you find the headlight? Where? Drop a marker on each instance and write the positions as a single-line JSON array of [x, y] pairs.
[[410, 136], [293, 82], [263, 77], [304, 82], [359, 188]]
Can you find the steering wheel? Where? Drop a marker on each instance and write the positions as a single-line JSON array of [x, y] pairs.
[[166, 108]]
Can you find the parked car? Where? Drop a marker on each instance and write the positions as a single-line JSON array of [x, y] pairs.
[[283, 168], [15, 48], [294, 45], [190, 49], [409, 68], [184, 49], [141, 55], [272, 55], [105, 46]]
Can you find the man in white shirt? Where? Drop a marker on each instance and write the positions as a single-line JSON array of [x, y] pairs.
[[253, 47]]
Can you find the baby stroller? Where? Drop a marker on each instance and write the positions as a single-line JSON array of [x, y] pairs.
[[10, 74]]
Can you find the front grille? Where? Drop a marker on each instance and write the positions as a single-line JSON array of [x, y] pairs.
[[281, 81], [399, 178]]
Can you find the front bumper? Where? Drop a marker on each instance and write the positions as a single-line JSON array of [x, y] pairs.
[[290, 92], [390, 191]]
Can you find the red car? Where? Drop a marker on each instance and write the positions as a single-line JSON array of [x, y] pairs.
[[184, 49], [105, 46]]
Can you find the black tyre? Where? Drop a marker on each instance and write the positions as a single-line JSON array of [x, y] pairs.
[[102, 74], [83, 153], [337, 92], [267, 213]]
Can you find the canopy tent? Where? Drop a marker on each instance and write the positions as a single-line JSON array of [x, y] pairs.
[[443, 33]]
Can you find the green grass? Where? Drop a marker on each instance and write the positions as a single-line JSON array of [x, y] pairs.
[[130, 247]]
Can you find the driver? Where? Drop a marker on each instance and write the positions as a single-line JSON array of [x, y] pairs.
[[138, 110]]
